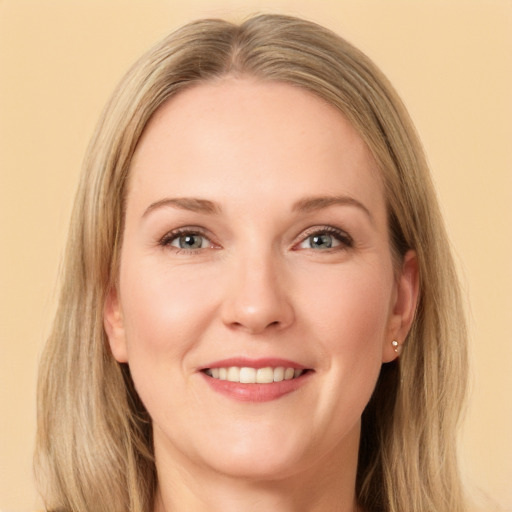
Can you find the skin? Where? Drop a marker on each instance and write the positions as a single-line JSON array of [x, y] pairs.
[[257, 286]]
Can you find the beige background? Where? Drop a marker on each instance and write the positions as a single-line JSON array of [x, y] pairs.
[[452, 63]]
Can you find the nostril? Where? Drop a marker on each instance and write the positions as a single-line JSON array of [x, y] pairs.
[[254, 327], [256, 311]]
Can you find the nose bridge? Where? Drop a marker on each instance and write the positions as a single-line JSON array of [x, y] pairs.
[[257, 298]]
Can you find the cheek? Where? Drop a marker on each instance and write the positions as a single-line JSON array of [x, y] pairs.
[[352, 307], [346, 318], [350, 316], [164, 309], [165, 313]]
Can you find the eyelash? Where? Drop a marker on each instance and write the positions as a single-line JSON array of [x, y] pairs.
[[346, 241], [171, 236]]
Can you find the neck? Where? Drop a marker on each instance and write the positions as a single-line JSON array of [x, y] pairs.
[[326, 486]]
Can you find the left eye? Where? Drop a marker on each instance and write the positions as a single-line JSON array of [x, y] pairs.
[[319, 241], [324, 240], [190, 241]]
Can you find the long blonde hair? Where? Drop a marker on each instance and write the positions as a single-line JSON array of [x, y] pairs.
[[94, 442]]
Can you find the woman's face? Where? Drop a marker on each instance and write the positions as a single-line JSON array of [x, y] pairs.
[[255, 237]]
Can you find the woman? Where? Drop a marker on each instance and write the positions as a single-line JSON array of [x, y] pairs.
[[259, 309]]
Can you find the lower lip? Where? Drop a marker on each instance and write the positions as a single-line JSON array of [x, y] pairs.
[[256, 392]]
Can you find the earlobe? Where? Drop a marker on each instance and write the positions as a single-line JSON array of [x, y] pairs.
[[404, 307], [114, 326]]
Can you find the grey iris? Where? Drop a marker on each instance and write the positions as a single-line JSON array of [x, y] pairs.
[[190, 241], [323, 241]]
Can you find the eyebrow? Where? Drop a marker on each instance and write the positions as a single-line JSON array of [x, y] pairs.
[[315, 203], [305, 205], [185, 203]]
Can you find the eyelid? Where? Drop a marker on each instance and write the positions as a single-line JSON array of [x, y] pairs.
[[341, 235], [170, 236]]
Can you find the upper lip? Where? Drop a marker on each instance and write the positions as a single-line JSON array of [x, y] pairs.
[[263, 362]]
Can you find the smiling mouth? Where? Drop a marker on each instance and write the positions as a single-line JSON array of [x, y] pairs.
[[248, 375]]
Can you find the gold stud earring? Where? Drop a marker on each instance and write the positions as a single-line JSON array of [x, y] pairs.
[[395, 345]]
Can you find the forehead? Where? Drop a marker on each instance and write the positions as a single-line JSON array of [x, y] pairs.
[[263, 139]]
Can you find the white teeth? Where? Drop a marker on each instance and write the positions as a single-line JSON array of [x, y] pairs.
[[279, 374], [247, 375], [234, 374], [289, 373], [265, 375]]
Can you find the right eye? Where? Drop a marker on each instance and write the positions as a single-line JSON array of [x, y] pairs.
[[190, 241], [186, 240]]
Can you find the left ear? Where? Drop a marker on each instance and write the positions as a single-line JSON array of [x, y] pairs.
[[404, 307]]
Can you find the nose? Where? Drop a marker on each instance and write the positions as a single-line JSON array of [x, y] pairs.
[[257, 298]]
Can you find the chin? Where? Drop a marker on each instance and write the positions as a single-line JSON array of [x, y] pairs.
[[270, 453], [256, 465]]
